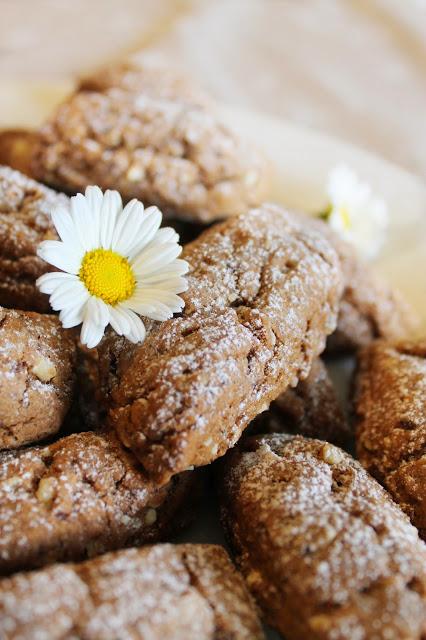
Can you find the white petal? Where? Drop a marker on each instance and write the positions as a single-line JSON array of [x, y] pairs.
[[127, 230], [93, 327], [91, 334], [65, 294], [82, 220], [137, 327], [111, 207], [100, 311], [65, 257], [151, 223], [166, 234], [156, 257], [49, 281], [71, 316], [64, 225], [119, 321]]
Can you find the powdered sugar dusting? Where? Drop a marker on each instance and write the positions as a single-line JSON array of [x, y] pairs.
[[25, 208], [263, 295], [79, 497], [185, 592], [33, 406], [153, 138], [315, 534], [390, 402]]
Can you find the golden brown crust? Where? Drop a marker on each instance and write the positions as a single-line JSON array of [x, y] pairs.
[[323, 548], [25, 207], [150, 139], [310, 409], [263, 294], [390, 404], [37, 360], [164, 592], [79, 497]]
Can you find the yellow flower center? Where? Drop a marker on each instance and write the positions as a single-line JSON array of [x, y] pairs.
[[346, 219], [107, 275]]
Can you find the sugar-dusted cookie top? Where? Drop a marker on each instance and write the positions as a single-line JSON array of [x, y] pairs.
[[163, 592], [146, 134], [263, 296], [81, 496], [390, 405], [25, 207], [322, 546], [37, 376]]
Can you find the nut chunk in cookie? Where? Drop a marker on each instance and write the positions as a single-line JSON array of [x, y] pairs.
[[146, 134], [263, 296], [310, 409], [79, 497], [37, 376], [390, 403], [162, 592], [25, 207], [324, 550]]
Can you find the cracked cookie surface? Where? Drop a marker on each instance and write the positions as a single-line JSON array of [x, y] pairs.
[[37, 377], [25, 207], [262, 298], [79, 497], [390, 405], [150, 139], [163, 592], [324, 550]]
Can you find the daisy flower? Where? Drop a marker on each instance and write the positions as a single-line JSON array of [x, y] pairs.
[[355, 212], [115, 265]]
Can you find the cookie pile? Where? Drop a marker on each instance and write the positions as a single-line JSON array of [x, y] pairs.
[[107, 449]]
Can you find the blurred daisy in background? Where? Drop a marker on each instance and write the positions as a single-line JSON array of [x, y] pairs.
[[116, 265], [355, 212]]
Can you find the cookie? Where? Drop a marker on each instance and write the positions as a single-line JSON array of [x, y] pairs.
[[79, 497], [25, 208], [142, 74], [369, 308], [390, 405], [16, 148], [37, 377], [150, 140], [324, 550], [263, 295], [311, 409], [162, 592]]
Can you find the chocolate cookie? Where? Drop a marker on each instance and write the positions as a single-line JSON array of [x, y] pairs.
[[151, 140], [37, 359], [325, 551], [311, 409], [390, 403], [163, 592], [263, 295], [25, 208], [79, 497]]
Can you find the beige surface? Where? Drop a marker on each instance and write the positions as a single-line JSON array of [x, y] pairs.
[[353, 68]]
